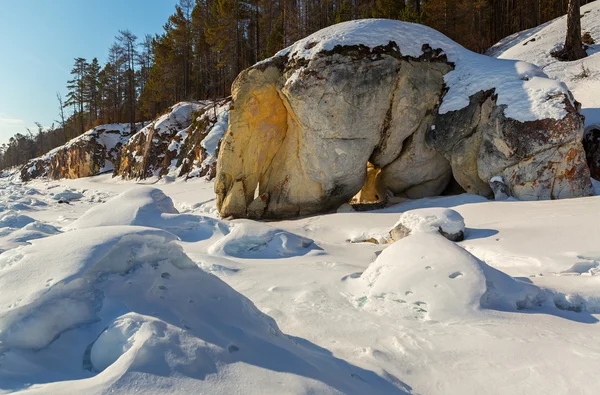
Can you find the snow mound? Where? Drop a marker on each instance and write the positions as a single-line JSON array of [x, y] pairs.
[[68, 195], [56, 296], [12, 219], [523, 88], [443, 220], [150, 207], [125, 310], [428, 277], [12, 238], [250, 239]]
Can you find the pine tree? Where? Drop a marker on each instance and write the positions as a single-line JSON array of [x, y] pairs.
[[128, 50], [90, 92], [76, 88]]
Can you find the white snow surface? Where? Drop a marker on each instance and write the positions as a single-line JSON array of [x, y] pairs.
[[140, 288], [582, 76], [523, 88]]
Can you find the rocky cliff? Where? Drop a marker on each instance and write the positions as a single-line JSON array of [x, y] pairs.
[[404, 102], [94, 152], [183, 142]]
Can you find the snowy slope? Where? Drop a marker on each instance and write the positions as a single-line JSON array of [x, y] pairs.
[[582, 76]]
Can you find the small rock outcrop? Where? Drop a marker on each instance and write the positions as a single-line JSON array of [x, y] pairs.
[[373, 106], [182, 142], [94, 152]]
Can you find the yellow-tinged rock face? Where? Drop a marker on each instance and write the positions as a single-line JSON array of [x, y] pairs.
[[306, 136], [374, 191], [299, 142]]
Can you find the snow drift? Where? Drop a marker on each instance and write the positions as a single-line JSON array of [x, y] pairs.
[[150, 207], [126, 310]]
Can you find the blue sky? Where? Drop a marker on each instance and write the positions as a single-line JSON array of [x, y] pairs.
[[40, 38]]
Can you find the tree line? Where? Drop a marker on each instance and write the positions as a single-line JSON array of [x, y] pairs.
[[206, 43]]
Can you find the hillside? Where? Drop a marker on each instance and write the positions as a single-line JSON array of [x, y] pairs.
[[582, 76]]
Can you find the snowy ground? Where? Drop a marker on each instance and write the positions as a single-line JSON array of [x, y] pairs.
[[142, 288], [140, 292]]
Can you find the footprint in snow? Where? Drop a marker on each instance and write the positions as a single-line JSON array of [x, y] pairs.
[[455, 275]]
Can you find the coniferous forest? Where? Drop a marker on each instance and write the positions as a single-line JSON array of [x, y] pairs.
[[206, 43]]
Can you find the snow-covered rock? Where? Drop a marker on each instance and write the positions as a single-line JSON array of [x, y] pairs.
[[93, 152], [67, 195], [408, 102], [581, 76], [499, 188], [198, 153], [428, 277], [182, 142], [444, 221]]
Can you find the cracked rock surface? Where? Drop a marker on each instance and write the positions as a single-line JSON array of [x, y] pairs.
[[302, 131]]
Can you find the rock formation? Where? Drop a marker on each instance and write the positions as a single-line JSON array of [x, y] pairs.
[[415, 106], [175, 142], [182, 142], [93, 152]]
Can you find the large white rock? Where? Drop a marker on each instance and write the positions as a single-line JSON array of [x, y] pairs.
[[404, 99]]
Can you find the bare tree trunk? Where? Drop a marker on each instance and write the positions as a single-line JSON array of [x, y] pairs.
[[573, 48]]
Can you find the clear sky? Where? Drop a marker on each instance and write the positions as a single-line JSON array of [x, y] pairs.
[[40, 38]]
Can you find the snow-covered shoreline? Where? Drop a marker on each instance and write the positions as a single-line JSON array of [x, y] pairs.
[[309, 288]]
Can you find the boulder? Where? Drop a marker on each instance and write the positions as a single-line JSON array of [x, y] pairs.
[[499, 188], [379, 105], [446, 222]]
